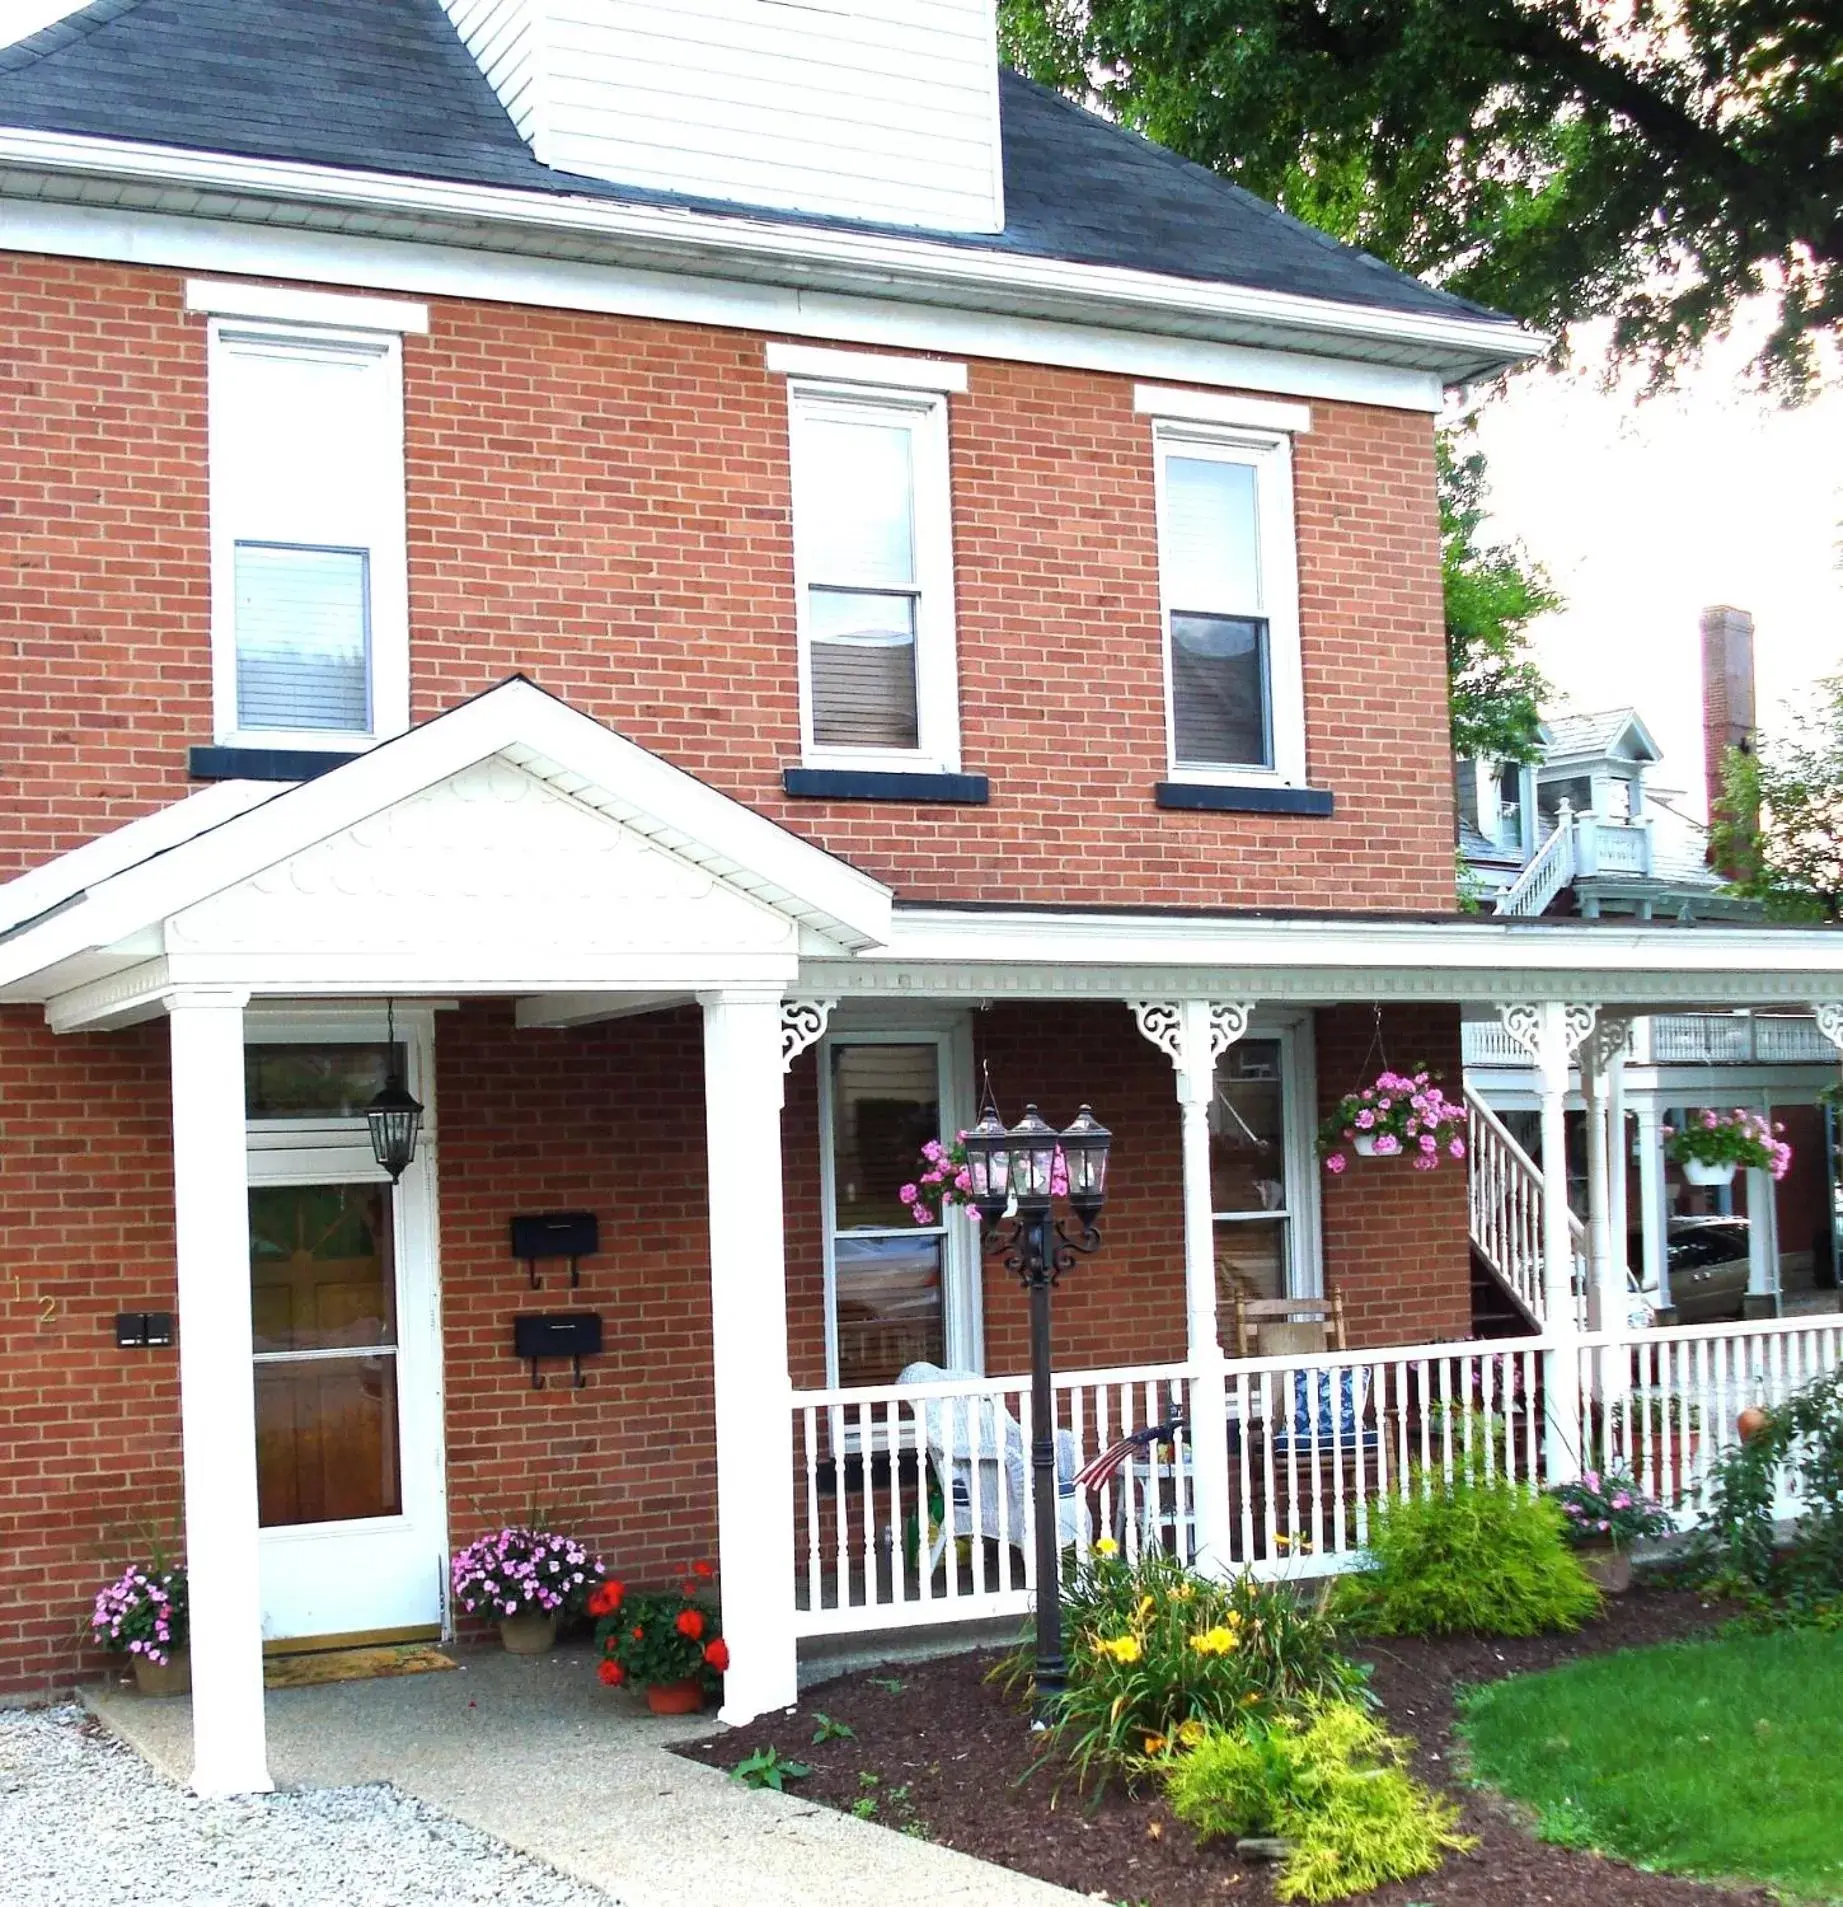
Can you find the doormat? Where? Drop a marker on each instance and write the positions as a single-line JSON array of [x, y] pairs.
[[353, 1665]]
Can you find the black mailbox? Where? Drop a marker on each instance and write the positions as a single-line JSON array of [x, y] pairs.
[[143, 1330], [571, 1235], [571, 1334]]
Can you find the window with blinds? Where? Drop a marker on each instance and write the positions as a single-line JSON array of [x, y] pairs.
[[873, 566], [309, 575], [1221, 707]]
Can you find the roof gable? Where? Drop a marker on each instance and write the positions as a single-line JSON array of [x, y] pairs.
[[512, 837], [387, 86]]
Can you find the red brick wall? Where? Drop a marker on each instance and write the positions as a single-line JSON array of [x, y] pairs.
[[89, 1435], [608, 1119], [1396, 1241], [603, 503]]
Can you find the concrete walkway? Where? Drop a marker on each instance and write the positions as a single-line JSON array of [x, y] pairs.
[[536, 1753]]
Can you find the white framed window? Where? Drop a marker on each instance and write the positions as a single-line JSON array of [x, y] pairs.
[[897, 1293], [1229, 581], [1263, 1185], [873, 570], [309, 572]]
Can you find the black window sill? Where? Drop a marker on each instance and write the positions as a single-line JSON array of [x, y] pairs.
[[264, 764], [1213, 798], [857, 784]]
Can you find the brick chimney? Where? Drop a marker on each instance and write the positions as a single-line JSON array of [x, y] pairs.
[[1727, 693]]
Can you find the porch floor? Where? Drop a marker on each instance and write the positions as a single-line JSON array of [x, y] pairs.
[[536, 1753]]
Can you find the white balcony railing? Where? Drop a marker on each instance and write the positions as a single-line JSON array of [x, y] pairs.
[[1679, 1039], [1579, 846]]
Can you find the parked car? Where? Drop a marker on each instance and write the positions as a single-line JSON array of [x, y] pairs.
[[1709, 1268]]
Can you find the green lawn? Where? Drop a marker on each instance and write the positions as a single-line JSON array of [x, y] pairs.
[[1722, 1759]]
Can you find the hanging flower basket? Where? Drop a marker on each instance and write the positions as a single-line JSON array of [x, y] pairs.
[[1710, 1145], [1401, 1115], [943, 1181]]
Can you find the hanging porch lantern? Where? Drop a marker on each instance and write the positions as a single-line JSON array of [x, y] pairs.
[[394, 1116], [988, 1164]]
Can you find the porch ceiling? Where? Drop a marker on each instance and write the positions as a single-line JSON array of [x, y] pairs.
[[1043, 954]]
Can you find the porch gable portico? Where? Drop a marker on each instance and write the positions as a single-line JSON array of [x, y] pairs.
[[512, 847]]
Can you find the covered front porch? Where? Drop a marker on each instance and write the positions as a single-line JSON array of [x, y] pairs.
[[618, 991]]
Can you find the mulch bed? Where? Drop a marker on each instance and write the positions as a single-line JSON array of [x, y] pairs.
[[958, 1747]]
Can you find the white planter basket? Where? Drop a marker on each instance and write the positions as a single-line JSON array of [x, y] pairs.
[[1701, 1172], [1364, 1144]]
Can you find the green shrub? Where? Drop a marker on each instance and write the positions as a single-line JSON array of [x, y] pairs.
[[1476, 1555], [1333, 1784], [1803, 1581], [1157, 1653]]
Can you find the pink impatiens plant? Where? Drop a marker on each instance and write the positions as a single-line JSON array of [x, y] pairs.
[[1402, 1113], [143, 1612], [1740, 1138], [944, 1181]]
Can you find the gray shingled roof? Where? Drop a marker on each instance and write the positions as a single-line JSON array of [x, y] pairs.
[[1570, 736], [387, 86]]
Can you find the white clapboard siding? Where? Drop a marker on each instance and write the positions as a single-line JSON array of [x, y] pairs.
[[501, 36], [873, 109]]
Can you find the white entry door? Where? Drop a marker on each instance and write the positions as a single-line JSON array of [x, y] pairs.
[[346, 1348]]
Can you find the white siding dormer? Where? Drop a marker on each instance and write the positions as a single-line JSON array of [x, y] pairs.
[[884, 110]]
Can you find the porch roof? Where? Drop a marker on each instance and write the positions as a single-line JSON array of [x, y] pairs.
[[511, 838], [1325, 958]]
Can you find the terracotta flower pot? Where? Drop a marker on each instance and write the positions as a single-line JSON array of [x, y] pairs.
[[528, 1634], [1609, 1567], [676, 1698], [171, 1677]]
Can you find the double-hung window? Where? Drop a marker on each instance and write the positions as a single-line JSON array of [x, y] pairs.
[[898, 1293], [1229, 581], [309, 584], [873, 567]]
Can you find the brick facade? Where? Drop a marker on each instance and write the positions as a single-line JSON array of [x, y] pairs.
[[603, 503]]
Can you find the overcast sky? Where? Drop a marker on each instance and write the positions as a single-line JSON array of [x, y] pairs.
[[1643, 513]]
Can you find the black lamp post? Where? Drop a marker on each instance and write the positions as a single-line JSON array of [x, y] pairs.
[[1015, 1173]]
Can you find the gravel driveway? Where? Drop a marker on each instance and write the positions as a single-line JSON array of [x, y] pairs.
[[86, 1823]]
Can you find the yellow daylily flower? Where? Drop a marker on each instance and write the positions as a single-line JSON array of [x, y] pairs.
[[1155, 1744], [1190, 1733], [1106, 1546], [1121, 1648], [1217, 1641]]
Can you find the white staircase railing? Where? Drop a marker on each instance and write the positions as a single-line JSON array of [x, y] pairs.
[[1507, 1190], [1550, 869]]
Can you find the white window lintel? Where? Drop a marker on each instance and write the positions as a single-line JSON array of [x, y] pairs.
[[1221, 407], [867, 367], [286, 304]]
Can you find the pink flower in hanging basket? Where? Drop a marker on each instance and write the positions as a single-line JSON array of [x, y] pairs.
[[1335, 1162]]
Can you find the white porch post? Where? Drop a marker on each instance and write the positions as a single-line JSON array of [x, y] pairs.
[[217, 1391], [744, 1068], [1193, 1035], [1651, 1213], [1762, 1236], [1550, 1032], [1618, 1214], [1601, 1059]]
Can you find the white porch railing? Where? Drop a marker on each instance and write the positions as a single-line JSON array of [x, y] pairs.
[[913, 1503], [1506, 1194]]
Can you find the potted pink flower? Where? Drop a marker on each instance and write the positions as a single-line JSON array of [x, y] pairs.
[[143, 1615], [1710, 1145], [525, 1580], [1603, 1514], [1403, 1115]]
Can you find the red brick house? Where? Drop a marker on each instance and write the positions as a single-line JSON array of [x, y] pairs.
[[704, 579]]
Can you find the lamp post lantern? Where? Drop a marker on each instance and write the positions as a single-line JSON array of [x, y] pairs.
[[1018, 1175]]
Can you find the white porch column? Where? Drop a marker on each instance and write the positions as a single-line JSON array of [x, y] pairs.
[[1550, 1032], [745, 1059], [1762, 1235], [1193, 1035], [1602, 1057], [217, 1391], [1652, 1216]]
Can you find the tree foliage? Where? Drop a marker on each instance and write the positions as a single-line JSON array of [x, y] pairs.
[[1493, 593], [1560, 159], [1778, 827]]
